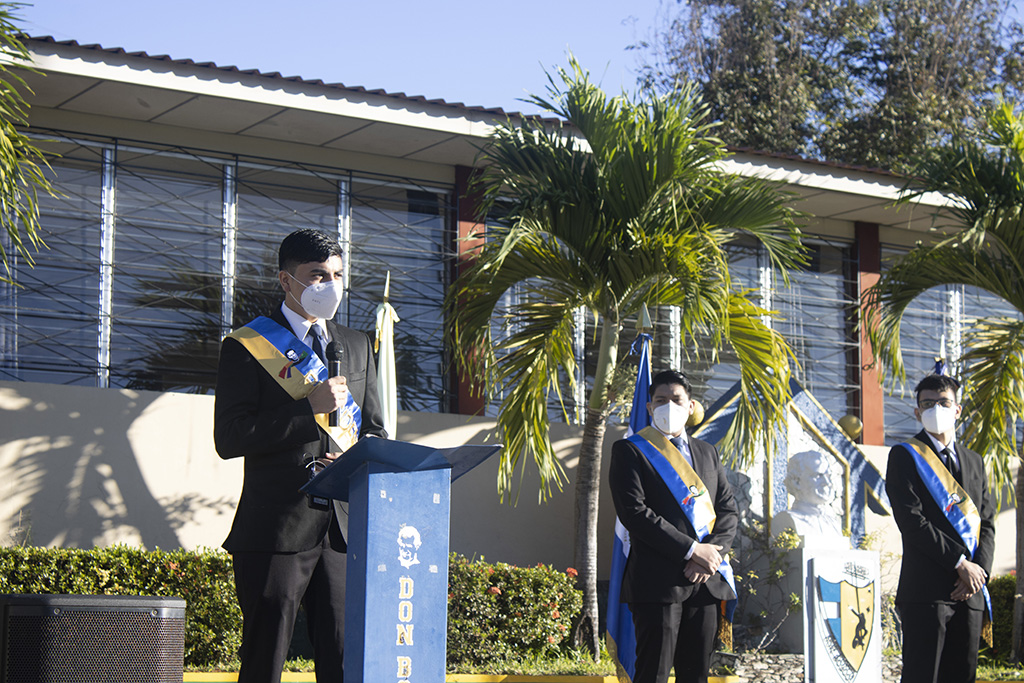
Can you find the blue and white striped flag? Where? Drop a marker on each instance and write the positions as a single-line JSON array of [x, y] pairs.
[[621, 638]]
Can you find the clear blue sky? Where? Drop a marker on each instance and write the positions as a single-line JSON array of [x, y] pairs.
[[479, 52]]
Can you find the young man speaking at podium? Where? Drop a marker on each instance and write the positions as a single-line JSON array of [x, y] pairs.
[[274, 396]]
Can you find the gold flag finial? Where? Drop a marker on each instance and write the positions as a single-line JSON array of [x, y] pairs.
[[643, 321]]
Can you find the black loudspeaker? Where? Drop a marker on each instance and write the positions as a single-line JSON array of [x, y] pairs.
[[91, 639]]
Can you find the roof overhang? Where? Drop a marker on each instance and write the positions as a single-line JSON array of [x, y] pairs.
[[109, 83]]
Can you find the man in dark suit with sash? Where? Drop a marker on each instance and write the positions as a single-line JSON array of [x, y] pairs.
[[941, 502], [272, 405], [671, 495]]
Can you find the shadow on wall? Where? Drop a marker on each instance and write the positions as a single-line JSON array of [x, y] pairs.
[[73, 467]]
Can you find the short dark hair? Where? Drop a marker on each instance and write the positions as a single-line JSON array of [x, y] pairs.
[[938, 383], [306, 246], [670, 377]]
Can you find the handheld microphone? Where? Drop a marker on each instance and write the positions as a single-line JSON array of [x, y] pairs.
[[334, 353]]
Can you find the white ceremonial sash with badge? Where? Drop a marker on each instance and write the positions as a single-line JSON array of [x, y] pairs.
[[956, 506], [684, 484], [297, 370]]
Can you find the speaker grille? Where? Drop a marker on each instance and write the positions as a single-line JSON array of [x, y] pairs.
[[111, 640]]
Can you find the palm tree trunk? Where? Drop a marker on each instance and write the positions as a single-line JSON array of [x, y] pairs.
[[588, 486], [1017, 647]]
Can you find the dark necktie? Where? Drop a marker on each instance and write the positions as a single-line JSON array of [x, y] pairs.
[[949, 459], [317, 345]]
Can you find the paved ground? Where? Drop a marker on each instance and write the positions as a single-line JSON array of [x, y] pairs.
[[764, 668]]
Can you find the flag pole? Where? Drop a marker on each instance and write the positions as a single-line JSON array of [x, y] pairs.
[[384, 346], [620, 637]]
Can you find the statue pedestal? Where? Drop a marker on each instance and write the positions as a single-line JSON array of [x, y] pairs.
[[842, 625], [790, 636]]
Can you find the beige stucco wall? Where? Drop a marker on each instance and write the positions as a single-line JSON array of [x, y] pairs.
[[84, 467]]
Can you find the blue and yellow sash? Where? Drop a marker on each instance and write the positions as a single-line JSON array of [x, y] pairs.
[[951, 498], [684, 484], [297, 370]]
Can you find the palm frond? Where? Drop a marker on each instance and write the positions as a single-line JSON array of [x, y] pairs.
[[23, 166], [765, 360], [948, 262], [529, 364], [625, 205], [984, 177], [994, 393]]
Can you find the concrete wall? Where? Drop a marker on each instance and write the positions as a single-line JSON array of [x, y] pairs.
[[83, 467]]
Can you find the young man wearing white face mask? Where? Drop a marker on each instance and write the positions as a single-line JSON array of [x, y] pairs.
[[274, 397], [671, 494], [941, 502]]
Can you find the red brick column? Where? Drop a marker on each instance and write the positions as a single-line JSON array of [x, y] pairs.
[[469, 237], [872, 397]]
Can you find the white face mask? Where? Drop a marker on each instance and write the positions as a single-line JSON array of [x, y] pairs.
[[938, 419], [670, 418], [322, 299]]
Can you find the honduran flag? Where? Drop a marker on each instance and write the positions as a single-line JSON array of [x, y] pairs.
[[621, 639]]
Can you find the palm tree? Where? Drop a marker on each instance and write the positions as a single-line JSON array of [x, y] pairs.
[[22, 165], [623, 205], [984, 179]]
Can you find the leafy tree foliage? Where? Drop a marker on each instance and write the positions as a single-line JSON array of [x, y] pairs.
[[984, 174], [22, 165], [627, 206], [867, 82]]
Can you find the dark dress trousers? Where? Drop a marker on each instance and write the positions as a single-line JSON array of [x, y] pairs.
[[675, 619], [939, 634], [286, 553]]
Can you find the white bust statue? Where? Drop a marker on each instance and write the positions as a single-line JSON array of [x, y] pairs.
[[809, 481]]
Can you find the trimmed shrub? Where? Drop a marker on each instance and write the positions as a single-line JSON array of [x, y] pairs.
[[495, 612], [498, 612], [1001, 590], [204, 579]]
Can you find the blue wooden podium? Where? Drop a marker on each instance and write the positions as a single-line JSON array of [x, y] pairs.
[[396, 609]]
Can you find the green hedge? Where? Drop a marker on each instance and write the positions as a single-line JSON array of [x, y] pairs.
[[204, 579], [1001, 590], [495, 612], [498, 612]]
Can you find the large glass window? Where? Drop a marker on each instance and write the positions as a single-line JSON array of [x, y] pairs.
[[933, 327], [712, 381], [814, 315], [48, 323], [977, 303], [190, 241], [168, 234], [404, 230], [271, 203], [926, 331], [817, 318]]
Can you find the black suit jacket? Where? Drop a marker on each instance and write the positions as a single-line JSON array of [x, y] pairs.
[[931, 547], [659, 533], [256, 419]]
